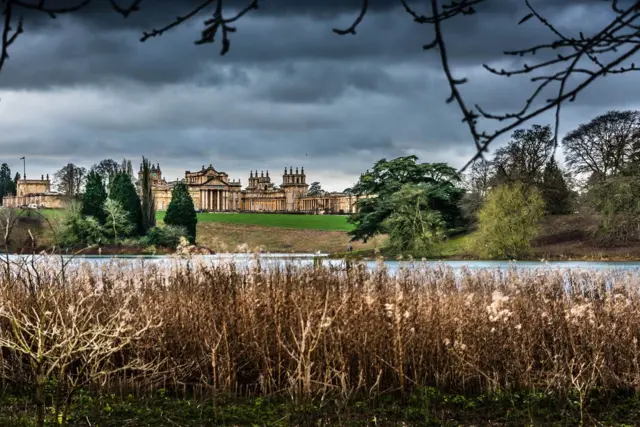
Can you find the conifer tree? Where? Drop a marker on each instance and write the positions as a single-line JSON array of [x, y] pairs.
[[94, 197], [148, 201], [181, 211], [555, 191], [123, 191]]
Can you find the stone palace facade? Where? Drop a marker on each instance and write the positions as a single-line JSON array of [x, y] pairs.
[[213, 191]]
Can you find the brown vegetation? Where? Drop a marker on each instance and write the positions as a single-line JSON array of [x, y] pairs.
[[309, 332]]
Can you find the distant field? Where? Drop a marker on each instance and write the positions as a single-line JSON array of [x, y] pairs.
[[305, 222]]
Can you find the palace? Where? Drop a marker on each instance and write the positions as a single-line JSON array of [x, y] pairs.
[[211, 190]]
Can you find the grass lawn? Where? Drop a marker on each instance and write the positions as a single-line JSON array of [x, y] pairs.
[[305, 222]]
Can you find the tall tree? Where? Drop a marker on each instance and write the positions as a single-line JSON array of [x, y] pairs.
[[123, 192], [5, 181], [524, 157], [387, 177], [148, 201], [127, 168], [181, 211], [70, 179], [94, 197], [477, 183], [315, 189], [107, 169], [604, 145], [555, 191], [413, 225]]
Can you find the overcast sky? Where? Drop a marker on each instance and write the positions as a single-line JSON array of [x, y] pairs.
[[289, 93]]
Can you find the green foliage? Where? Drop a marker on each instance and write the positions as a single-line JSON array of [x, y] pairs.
[[388, 177], [508, 221], [80, 230], [124, 192], [118, 223], [617, 201], [167, 236], [7, 185], [555, 191], [148, 201], [94, 197], [414, 226], [181, 211], [107, 169]]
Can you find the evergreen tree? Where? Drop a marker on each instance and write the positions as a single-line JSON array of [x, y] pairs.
[[148, 201], [123, 191], [181, 211], [94, 197], [5, 181], [555, 191]]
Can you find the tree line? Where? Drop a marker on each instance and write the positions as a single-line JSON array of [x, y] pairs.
[[504, 198], [111, 209]]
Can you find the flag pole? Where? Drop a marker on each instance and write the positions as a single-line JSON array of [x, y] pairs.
[[24, 167]]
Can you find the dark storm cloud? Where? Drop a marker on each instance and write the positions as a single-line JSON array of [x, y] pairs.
[[290, 92]]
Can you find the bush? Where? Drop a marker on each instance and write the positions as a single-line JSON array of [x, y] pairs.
[[167, 236], [508, 221], [615, 199], [80, 230]]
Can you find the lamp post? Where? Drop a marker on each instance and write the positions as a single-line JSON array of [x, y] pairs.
[[24, 167]]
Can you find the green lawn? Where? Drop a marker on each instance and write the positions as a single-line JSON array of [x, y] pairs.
[[308, 222]]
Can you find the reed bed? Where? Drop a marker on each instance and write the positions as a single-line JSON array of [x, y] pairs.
[[316, 332]]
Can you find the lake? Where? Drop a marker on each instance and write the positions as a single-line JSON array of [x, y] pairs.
[[302, 259]]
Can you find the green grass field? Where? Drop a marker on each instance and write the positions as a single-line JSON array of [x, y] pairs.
[[306, 222]]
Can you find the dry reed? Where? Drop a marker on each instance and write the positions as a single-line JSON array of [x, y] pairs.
[[320, 331]]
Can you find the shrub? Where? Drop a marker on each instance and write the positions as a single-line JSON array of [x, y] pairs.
[[167, 236], [615, 199], [118, 222], [80, 230], [508, 221]]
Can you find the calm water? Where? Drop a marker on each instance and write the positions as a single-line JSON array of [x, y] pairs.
[[266, 260]]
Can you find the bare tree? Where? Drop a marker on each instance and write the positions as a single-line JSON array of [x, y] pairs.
[[524, 157], [70, 179], [107, 169], [562, 68], [604, 145]]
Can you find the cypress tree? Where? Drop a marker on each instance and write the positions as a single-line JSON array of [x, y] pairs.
[[181, 211], [148, 201], [94, 197], [555, 191], [123, 191]]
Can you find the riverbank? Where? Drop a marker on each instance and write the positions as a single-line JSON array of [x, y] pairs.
[[561, 238]]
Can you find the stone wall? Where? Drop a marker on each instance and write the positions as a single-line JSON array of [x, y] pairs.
[[33, 186], [47, 200]]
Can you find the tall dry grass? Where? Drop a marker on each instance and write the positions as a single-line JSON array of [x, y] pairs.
[[317, 332]]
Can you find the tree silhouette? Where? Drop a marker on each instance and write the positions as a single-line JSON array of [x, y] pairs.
[[561, 69]]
